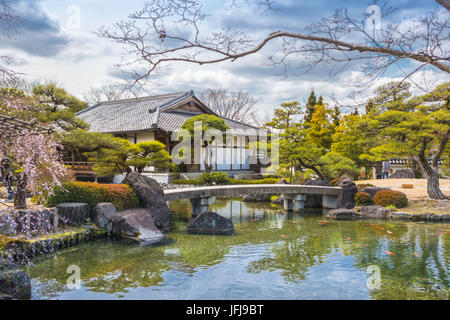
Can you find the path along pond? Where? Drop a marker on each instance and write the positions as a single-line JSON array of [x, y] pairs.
[[272, 255]]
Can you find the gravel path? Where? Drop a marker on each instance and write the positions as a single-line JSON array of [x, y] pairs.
[[419, 191]]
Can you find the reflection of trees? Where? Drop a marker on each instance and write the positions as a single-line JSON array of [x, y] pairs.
[[294, 257], [424, 275], [113, 267], [106, 266]]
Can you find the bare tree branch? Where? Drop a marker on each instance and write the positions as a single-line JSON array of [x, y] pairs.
[[238, 105], [444, 3], [8, 23], [171, 31]]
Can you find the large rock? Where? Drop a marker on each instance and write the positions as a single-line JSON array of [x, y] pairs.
[[28, 221], [102, 215], [256, 198], [73, 212], [376, 212], [151, 196], [346, 198], [372, 190], [314, 200], [136, 224], [400, 215], [343, 214], [210, 223], [403, 174], [14, 283]]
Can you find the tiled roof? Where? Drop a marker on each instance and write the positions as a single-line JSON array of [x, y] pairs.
[[405, 161], [141, 114]]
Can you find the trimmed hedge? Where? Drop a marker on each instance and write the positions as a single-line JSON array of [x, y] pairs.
[[391, 197], [209, 178], [363, 199], [198, 182], [195, 182], [120, 195]]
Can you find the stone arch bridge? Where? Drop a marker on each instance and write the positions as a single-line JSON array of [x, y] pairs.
[[294, 195]]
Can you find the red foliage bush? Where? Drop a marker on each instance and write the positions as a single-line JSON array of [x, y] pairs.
[[363, 199], [120, 195], [391, 197]]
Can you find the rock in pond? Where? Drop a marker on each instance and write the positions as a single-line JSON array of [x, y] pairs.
[[400, 215], [346, 198], [136, 224], [74, 212], [14, 283], [256, 198], [343, 214], [150, 195], [210, 223], [376, 212], [102, 215]]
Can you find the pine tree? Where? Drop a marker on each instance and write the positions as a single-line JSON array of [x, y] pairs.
[[336, 116], [284, 117], [310, 107]]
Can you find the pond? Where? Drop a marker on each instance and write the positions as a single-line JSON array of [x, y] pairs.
[[273, 255]]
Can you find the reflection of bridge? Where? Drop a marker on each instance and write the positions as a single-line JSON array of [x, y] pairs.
[[294, 195]]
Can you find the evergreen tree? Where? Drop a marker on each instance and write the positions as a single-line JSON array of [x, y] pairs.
[[310, 106], [284, 117], [336, 116]]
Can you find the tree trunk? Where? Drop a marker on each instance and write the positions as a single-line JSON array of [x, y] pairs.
[[433, 190], [432, 176], [20, 193]]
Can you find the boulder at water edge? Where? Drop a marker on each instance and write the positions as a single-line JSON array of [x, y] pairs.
[[136, 224], [102, 215], [210, 223], [376, 212], [74, 212], [14, 283], [346, 198], [150, 195], [343, 214]]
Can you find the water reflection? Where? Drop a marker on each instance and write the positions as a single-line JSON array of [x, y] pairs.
[[273, 255]]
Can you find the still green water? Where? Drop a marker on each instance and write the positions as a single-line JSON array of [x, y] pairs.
[[273, 255]]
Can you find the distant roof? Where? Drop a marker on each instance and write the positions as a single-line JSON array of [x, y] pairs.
[[406, 161], [141, 114]]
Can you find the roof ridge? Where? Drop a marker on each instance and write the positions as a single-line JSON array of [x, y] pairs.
[[158, 96], [249, 125]]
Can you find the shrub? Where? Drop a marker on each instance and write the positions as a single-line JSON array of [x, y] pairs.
[[260, 181], [120, 195], [214, 178], [196, 182], [363, 185], [199, 182], [363, 199], [391, 197]]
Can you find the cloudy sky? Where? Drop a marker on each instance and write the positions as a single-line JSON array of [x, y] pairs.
[[55, 41]]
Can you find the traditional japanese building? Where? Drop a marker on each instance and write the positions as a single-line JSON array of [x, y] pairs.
[[157, 117]]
